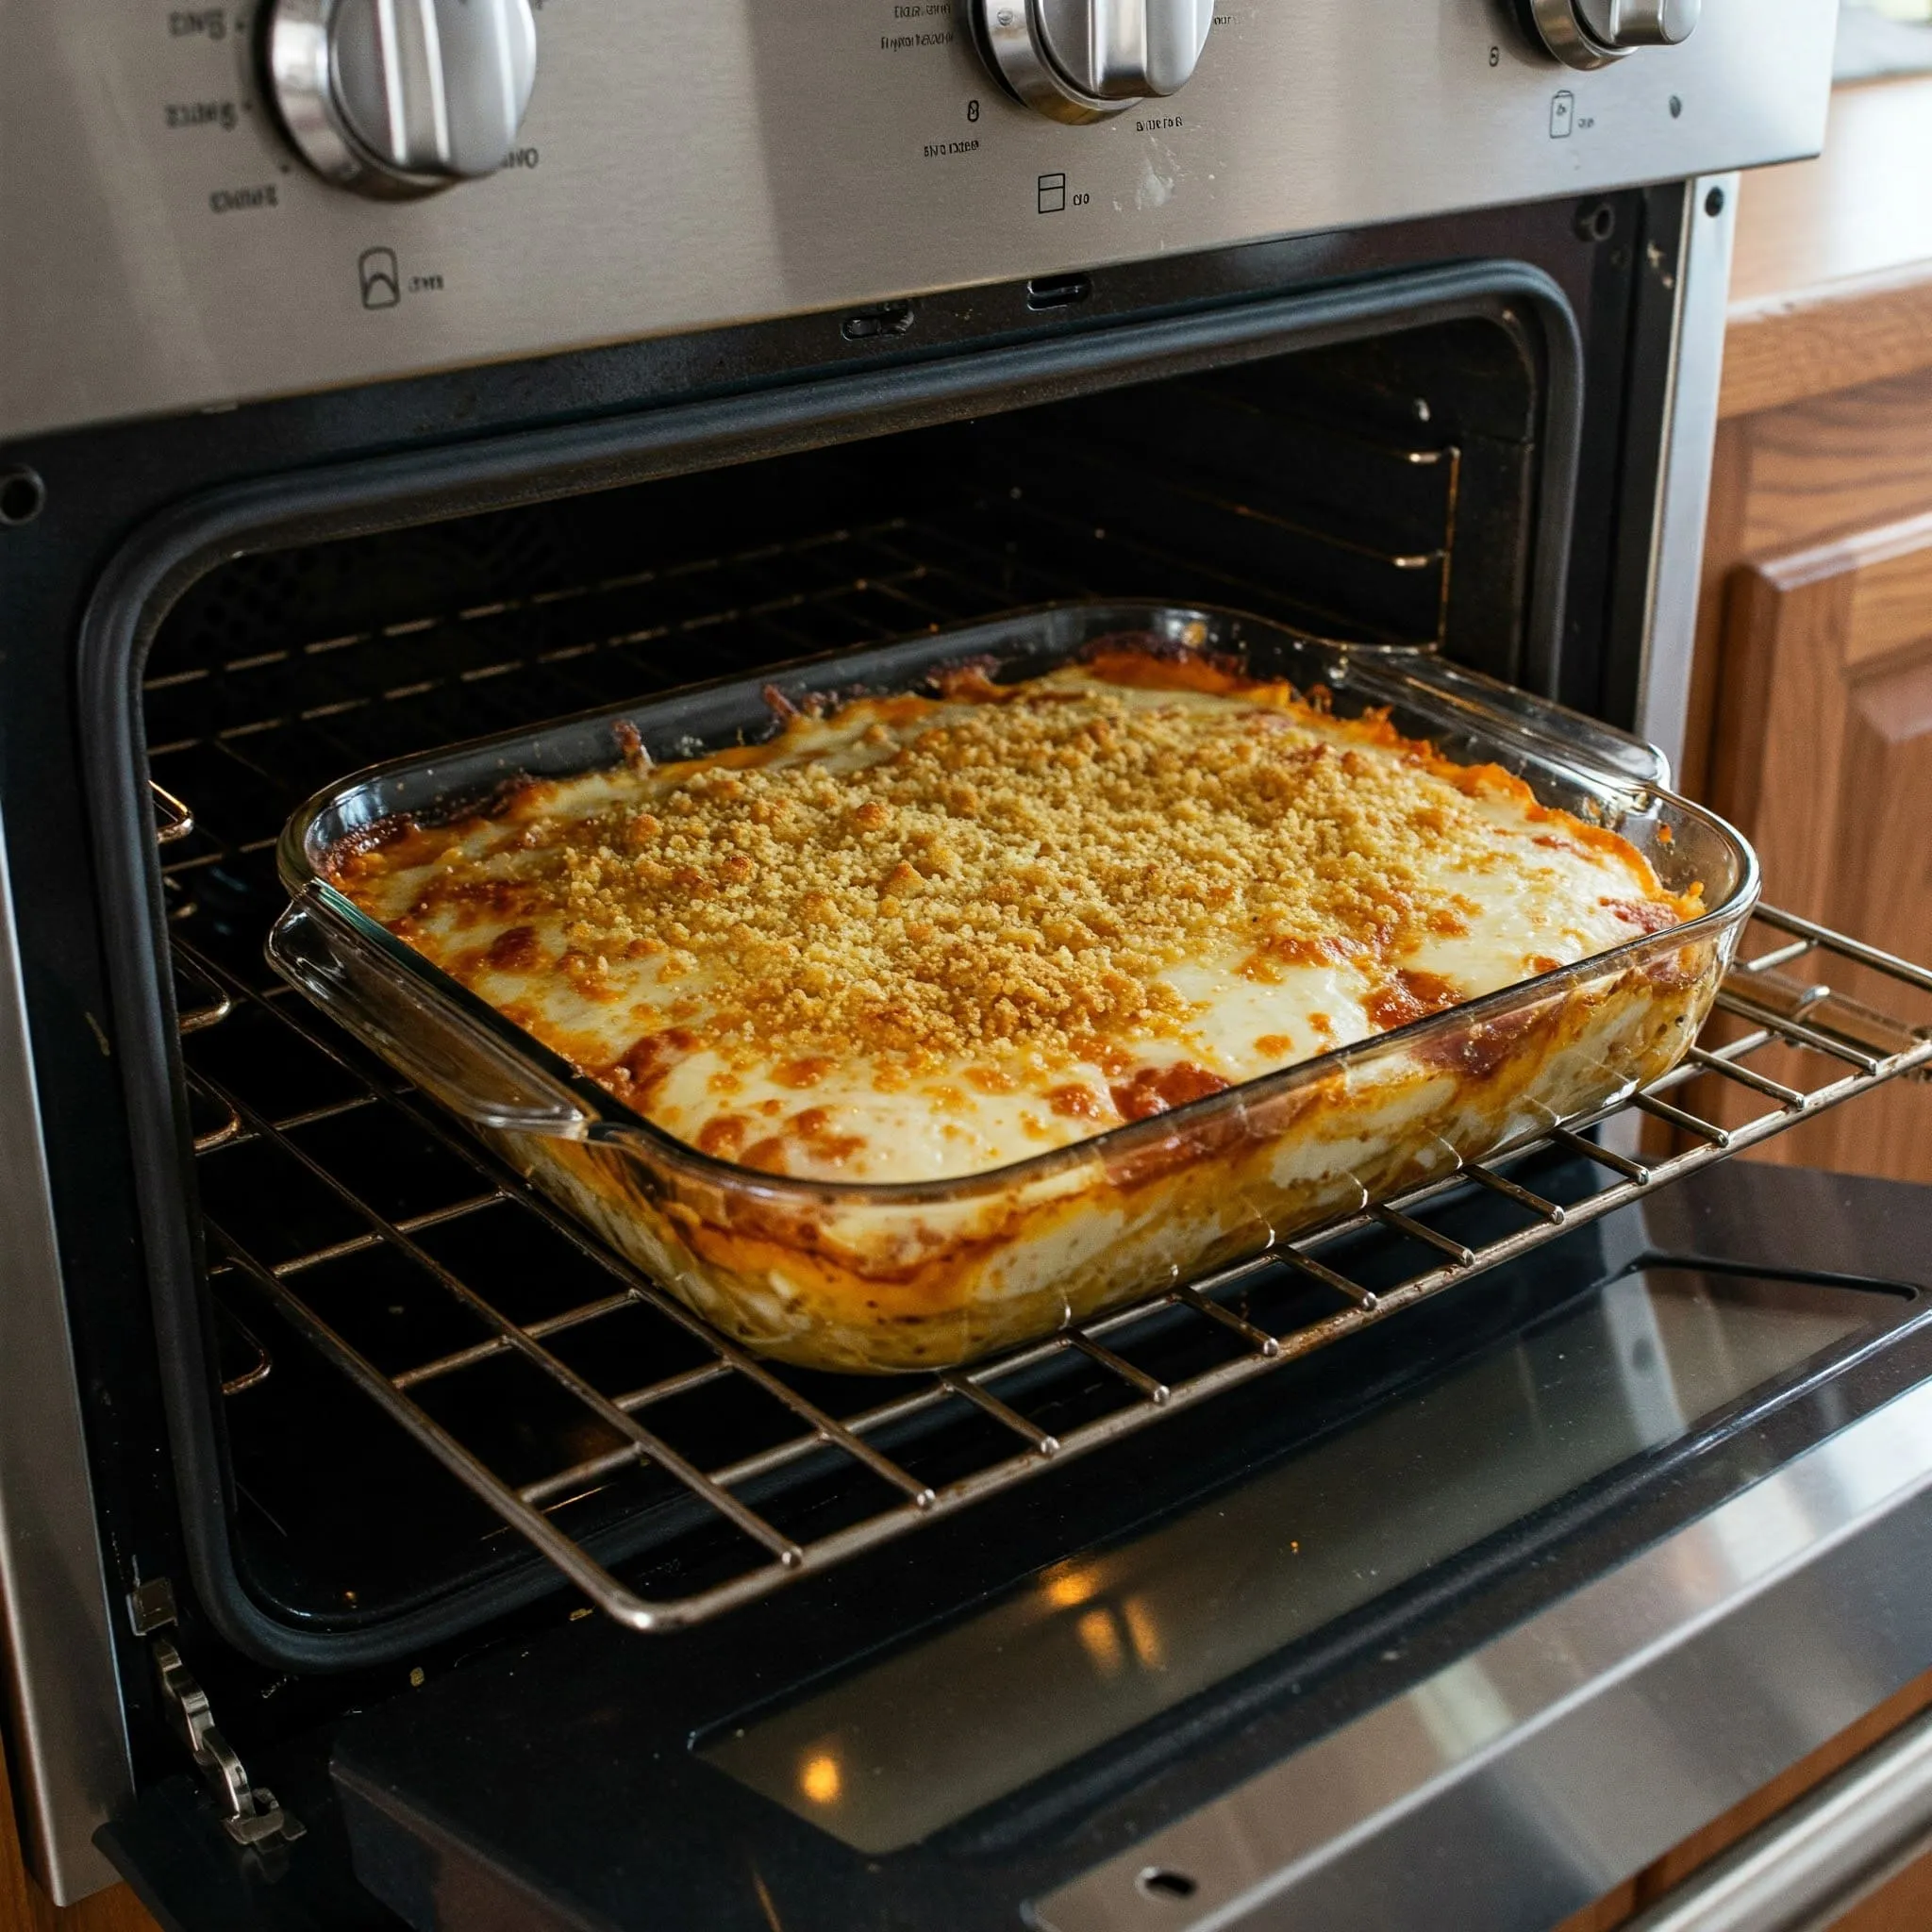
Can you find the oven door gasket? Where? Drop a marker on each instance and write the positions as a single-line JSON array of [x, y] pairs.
[[156, 566]]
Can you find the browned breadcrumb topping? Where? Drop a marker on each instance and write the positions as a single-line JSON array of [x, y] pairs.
[[1011, 874]]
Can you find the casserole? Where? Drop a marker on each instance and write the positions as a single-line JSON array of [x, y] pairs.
[[897, 1275]]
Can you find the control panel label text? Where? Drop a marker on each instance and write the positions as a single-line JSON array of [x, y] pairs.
[[203, 114], [229, 201]]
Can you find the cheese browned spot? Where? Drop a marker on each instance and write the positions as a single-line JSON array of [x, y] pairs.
[[1407, 994], [1158, 1090], [925, 936]]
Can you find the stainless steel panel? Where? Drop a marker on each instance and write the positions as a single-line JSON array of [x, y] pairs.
[[1522, 1782], [688, 165], [1676, 578], [70, 1755]]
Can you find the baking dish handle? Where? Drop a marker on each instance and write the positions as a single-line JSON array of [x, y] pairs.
[[446, 1054], [1617, 754]]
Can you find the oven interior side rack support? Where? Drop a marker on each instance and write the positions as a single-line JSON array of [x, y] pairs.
[[1762, 1005]]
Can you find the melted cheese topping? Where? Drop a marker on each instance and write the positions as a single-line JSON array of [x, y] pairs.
[[925, 936]]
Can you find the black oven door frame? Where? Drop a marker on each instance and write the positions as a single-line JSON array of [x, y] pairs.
[[387, 493]]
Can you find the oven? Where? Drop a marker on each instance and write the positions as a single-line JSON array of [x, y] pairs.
[[384, 374]]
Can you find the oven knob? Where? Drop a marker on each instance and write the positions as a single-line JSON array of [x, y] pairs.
[[1591, 33], [398, 97], [1085, 60]]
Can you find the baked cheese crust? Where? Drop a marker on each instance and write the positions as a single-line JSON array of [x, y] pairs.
[[920, 938]]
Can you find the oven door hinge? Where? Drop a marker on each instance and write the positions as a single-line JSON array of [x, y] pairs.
[[250, 1814]]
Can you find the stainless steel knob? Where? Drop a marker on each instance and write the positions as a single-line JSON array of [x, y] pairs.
[[1593, 33], [1085, 60], [397, 97]]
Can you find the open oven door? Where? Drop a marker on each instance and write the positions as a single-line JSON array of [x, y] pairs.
[[1457, 1622]]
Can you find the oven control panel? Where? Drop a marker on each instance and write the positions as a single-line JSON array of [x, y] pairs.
[[213, 201]]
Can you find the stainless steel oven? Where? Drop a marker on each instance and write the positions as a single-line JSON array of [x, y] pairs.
[[382, 372]]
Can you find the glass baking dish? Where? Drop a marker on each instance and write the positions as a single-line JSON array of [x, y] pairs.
[[888, 1277]]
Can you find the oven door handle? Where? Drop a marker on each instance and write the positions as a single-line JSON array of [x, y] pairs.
[[453, 1057]]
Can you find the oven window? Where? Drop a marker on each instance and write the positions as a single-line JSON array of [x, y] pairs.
[[1094, 1646]]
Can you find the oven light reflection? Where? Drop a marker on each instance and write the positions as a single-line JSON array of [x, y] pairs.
[[821, 1779], [1143, 1633], [1070, 1585], [1106, 1632], [1101, 1641]]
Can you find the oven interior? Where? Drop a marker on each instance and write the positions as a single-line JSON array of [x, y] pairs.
[[1380, 491]]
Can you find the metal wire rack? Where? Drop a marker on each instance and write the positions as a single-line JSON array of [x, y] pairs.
[[1864, 1049], [588, 1410]]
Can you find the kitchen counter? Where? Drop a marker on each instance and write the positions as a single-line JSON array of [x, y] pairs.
[[1832, 282]]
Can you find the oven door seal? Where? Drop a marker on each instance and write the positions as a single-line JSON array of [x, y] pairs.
[[160, 561]]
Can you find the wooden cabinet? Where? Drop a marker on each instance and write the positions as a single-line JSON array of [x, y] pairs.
[[1823, 753], [1811, 717]]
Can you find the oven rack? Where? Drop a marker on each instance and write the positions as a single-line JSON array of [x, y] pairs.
[[242, 722], [1806, 1019]]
